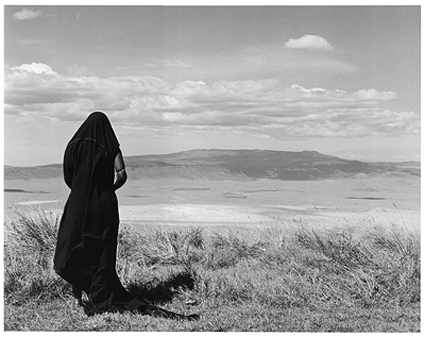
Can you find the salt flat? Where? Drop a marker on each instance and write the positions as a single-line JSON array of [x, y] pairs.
[[219, 215]]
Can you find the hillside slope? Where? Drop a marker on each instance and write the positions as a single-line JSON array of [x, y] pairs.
[[236, 164]]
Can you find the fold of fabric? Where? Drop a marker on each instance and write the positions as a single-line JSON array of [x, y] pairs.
[[86, 249]]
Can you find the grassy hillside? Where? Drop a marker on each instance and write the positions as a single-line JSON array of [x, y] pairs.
[[298, 276]]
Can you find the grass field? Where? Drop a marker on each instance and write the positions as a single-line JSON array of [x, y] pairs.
[[296, 276]]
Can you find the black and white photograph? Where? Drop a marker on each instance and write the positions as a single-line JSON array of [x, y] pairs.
[[218, 167]]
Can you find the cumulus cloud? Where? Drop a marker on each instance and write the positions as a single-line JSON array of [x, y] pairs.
[[309, 42], [264, 108], [37, 68], [29, 14]]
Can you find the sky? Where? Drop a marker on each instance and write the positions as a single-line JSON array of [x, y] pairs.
[[343, 81]]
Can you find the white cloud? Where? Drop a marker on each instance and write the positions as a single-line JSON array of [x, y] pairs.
[[372, 94], [37, 68], [29, 14], [309, 42], [264, 108]]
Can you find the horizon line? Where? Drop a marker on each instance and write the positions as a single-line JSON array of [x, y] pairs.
[[229, 150]]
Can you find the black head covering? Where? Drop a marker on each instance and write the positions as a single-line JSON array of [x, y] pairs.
[[98, 128]]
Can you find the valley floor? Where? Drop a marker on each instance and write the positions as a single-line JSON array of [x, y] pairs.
[[247, 203]]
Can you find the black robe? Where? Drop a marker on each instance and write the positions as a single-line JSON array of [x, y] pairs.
[[86, 248]]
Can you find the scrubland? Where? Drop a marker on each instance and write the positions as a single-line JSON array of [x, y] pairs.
[[295, 276]]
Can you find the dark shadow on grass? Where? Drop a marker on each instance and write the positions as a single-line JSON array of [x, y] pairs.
[[164, 291]]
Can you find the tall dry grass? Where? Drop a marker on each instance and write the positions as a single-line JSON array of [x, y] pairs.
[[331, 271], [29, 243]]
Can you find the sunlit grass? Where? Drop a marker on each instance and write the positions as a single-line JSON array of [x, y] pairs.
[[293, 277]]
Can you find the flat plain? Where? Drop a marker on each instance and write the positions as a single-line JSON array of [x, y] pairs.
[[262, 202]]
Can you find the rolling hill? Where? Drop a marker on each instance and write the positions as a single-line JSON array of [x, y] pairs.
[[236, 164]]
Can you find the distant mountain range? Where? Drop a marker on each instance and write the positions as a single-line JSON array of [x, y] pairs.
[[237, 164]]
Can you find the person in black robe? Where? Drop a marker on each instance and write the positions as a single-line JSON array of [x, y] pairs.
[[86, 249]]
